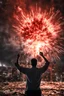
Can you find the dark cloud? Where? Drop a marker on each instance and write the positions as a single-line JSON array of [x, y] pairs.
[[7, 52]]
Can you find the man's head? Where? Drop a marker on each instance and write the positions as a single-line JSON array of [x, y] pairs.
[[34, 62]]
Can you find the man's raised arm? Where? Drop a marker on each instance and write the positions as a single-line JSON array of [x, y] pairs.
[[16, 64], [21, 69], [45, 67]]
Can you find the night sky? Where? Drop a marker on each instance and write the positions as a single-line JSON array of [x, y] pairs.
[[8, 53]]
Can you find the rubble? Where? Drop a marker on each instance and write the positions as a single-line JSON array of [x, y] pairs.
[[11, 84], [18, 88]]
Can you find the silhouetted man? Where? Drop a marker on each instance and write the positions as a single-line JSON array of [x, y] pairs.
[[33, 76]]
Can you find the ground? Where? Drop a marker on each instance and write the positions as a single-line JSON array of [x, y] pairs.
[[18, 88]]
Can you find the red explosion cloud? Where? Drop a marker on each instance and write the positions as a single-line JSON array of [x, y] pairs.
[[39, 30]]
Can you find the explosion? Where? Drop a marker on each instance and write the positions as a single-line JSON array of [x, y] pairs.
[[39, 30]]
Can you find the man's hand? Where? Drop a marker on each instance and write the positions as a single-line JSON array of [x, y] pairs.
[[44, 58], [16, 64], [17, 59], [41, 53], [18, 56]]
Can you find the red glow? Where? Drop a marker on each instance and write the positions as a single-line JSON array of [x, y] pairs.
[[39, 30]]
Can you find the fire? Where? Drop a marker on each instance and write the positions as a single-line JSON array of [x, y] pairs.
[[39, 30]]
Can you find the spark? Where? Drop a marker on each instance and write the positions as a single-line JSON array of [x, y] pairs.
[[40, 30]]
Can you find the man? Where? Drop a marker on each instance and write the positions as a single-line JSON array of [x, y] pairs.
[[33, 76]]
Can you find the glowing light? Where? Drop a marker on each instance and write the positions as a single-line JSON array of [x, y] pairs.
[[0, 64], [39, 31]]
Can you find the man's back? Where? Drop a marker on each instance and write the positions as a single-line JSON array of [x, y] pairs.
[[33, 78]]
